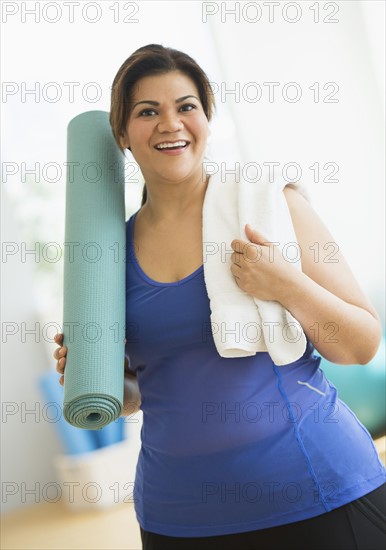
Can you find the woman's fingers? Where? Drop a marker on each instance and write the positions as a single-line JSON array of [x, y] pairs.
[[61, 365], [60, 355], [58, 338]]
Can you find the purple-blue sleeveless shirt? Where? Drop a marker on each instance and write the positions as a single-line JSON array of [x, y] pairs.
[[232, 444]]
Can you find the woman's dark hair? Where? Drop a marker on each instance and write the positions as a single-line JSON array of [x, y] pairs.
[[151, 60]]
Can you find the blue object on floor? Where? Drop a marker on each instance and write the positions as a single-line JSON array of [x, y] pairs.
[[113, 433], [73, 440]]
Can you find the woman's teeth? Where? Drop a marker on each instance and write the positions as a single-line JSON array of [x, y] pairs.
[[176, 145]]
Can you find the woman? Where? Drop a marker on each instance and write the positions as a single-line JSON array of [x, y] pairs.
[[210, 474]]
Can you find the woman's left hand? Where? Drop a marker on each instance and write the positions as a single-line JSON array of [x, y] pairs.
[[259, 267]]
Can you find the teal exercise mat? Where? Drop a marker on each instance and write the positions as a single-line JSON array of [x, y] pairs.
[[94, 273], [73, 440]]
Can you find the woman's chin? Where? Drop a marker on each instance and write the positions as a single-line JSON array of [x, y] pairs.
[[182, 174]]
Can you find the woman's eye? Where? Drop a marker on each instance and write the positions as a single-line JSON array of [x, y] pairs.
[[146, 112], [151, 112], [188, 107]]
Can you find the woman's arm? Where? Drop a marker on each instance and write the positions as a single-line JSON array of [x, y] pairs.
[[325, 298]]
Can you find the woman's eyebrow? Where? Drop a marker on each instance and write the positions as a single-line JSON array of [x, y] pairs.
[[185, 97], [156, 103]]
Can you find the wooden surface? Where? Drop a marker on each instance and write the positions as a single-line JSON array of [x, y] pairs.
[[55, 527]]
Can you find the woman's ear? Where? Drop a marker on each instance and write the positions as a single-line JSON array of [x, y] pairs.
[[124, 142]]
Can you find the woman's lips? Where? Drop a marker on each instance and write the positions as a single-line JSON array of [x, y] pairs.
[[174, 151]]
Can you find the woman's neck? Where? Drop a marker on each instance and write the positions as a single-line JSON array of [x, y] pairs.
[[172, 202]]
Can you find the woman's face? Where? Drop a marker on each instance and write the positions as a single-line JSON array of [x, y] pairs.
[[167, 129]]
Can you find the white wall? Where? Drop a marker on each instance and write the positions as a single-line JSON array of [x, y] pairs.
[[28, 441]]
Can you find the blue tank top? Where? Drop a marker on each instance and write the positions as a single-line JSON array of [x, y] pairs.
[[231, 444]]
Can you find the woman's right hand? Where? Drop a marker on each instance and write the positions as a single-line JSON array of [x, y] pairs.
[[60, 355]]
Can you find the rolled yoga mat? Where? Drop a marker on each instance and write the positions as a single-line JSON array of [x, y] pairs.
[[94, 273], [74, 441]]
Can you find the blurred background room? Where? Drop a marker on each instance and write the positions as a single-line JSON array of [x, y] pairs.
[[299, 86]]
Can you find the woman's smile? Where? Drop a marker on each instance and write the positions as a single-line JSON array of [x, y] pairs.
[[173, 147]]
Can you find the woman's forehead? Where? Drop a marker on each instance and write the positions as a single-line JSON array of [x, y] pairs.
[[170, 84]]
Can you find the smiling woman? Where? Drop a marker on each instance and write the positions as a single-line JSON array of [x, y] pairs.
[[235, 451], [132, 83], [161, 107]]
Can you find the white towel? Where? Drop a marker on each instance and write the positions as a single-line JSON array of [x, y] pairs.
[[241, 324]]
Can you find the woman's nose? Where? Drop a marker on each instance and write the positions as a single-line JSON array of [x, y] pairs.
[[170, 122]]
